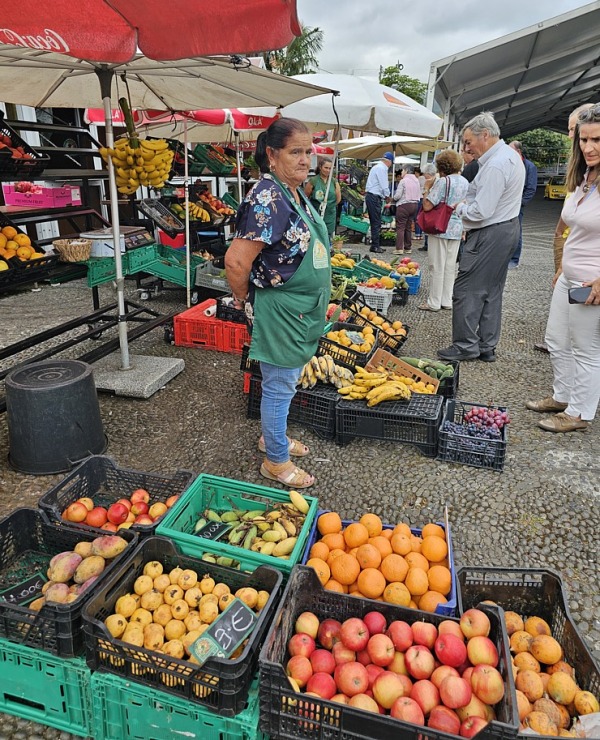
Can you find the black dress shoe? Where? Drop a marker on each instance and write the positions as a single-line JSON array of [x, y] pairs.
[[452, 353], [378, 250], [422, 249], [488, 356], [541, 347]]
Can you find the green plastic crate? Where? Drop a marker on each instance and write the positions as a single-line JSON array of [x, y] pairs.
[[214, 492], [207, 155], [354, 224], [366, 269], [43, 688], [177, 256], [231, 201], [136, 260], [122, 709], [100, 270]]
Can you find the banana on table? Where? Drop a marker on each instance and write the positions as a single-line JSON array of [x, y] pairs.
[[323, 368], [147, 164], [376, 387]]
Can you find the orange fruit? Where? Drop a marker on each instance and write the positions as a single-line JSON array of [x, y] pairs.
[[371, 583], [356, 534], [22, 240], [9, 232], [353, 551], [440, 579], [402, 528], [345, 569], [329, 523], [368, 556], [321, 568], [3, 240], [373, 524], [416, 581], [10, 253], [430, 599], [382, 544], [434, 548], [400, 544], [396, 593], [24, 252], [394, 567], [11, 245], [353, 588], [414, 604], [333, 554], [416, 560], [334, 541], [333, 585], [387, 533], [319, 550], [415, 543], [435, 529]]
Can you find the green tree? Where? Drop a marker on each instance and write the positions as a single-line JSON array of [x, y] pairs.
[[300, 57], [544, 147], [393, 77]]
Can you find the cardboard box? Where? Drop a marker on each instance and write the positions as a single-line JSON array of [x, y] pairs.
[[394, 364], [50, 197]]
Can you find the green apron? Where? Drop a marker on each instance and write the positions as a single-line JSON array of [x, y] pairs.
[[289, 319], [316, 198]]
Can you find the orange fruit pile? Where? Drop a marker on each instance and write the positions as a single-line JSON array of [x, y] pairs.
[[16, 244], [388, 564]]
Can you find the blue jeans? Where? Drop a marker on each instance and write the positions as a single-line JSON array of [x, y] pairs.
[[373, 203], [514, 260], [278, 389]]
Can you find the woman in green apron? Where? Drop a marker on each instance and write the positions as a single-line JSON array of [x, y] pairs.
[[279, 269], [316, 188]]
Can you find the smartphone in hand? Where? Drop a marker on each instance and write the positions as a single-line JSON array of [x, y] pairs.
[[579, 295]]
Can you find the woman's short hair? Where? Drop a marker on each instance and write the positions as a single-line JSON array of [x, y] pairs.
[[276, 137], [430, 169], [408, 169], [448, 162], [484, 121]]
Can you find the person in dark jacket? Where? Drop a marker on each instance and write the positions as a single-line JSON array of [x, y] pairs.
[[531, 178], [471, 167]]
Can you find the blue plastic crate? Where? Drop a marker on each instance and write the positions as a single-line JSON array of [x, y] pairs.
[[414, 283]]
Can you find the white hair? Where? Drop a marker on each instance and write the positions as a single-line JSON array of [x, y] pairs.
[[484, 121]]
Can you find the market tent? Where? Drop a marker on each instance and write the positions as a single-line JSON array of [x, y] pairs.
[[373, 147]]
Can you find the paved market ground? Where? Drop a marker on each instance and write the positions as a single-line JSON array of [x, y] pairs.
[[542, 511]]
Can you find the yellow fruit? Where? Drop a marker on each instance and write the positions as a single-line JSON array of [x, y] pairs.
[[9, 232]]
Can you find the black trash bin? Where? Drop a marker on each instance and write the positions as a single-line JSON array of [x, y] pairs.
[[53, 416]]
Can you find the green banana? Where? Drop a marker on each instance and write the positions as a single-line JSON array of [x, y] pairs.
[[248, 515], [230, 516], [212, 516], [250, 537], [199, 524]]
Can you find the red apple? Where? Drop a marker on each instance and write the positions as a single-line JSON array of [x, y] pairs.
[[445, 719], [342, 654], [407, 710], [466, 674], [471, 726], [424, 633], [340, 698], [171, 500], [364, 702], [130, 517], [475, 708], [441, 672], [449, 627], [75, 512], [309, 623], [375, 622], [398, 665], [300, 669], [400, 634], [87, 502], [455, 692], [96, 517], [126, 502], [363, 657], [388, 687], [373, 671], [449, 650], [301, 644], [144, 520], [354, 634], [321, 660], [381, 649], [426, 694], [328, 634], [140, 507], [475, 622], [117, 513], [109, 527], [406, 682], [322, 684], [351, 678], [140, 494], [157, 510], [487, 683], [481, 649], [419, 661]]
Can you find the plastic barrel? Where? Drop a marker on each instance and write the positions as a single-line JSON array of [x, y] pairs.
[[53, 416]]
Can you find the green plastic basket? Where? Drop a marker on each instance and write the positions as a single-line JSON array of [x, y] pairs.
[[136, 260], [211, 491], [206, 155], [169, 264], [354, 224], [366, 269], [230, 200], [122, 709], [43, 688], [100, 270]]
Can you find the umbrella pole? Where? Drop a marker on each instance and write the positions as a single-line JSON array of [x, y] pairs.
[[105, 76], [186, 191], [238, 162]]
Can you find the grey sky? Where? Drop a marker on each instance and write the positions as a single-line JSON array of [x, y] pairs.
[[360, 35]]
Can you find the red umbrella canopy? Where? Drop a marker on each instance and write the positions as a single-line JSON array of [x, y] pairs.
[[114, 30]]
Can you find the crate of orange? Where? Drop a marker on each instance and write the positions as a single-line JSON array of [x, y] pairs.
[[25, 262], [397, 564]]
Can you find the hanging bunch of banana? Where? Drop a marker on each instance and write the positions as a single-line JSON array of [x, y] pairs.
[[137, 161], [324, 369]]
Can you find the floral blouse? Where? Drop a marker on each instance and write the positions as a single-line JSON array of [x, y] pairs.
[[266, 215]]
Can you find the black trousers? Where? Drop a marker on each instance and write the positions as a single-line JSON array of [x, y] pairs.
[[373, 203]]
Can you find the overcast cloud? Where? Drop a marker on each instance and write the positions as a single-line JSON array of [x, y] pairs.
[[361, 35]]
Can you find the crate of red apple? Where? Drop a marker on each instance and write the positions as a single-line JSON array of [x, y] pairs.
[[101, 495], [337, 666]]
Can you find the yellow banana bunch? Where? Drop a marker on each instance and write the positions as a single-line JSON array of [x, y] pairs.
[[323, 368], [197, 212], [376, 387], [148, 164]]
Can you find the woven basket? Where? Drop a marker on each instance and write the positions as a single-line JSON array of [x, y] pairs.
[[73, 250]]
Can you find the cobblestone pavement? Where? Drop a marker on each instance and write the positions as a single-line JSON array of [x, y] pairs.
[[542, 511]]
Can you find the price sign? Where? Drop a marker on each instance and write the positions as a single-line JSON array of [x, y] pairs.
[[355, 337], [226, 633], [25, 591], [213, 530]]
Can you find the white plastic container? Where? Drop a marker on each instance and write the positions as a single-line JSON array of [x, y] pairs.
[[103, 244]]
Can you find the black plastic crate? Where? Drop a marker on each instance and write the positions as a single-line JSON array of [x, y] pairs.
[[448, 387], [28, 541], [99, 478], [415, 422], [355, 304], [25, 168], [220, 683], [29, 271], [161, 216], [311, 407], [475, 451], [285, 714], [226, 311], [249, 366], [344, 355], [532, 592], [400, 297]]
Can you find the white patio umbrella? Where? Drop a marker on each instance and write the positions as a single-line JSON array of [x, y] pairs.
[[373, 147]]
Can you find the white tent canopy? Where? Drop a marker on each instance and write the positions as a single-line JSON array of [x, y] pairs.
[[373, 147]]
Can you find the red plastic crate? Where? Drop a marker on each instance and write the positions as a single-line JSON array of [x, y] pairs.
[[247, 379], [233, 337], [194, 329]]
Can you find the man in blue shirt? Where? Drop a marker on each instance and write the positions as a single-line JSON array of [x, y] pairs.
[[377, 188], [531, 177]]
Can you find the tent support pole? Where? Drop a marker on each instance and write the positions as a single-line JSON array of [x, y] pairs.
[[186, 190]]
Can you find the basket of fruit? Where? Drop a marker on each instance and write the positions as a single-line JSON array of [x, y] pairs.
[[73, 250], [153, 619], [16, 156], [378, 293], [349, 344], [17, 250], [565, 685], [162, 216], [347, 668], [215, 159], [391, 336], [474, 434]]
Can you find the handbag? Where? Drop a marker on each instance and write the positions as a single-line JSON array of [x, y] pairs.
[[436, 220]]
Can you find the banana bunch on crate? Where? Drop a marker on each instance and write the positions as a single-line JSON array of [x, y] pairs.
[[197, 212], [271, 531], [139, 162], [376, 387], [323, 368]]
